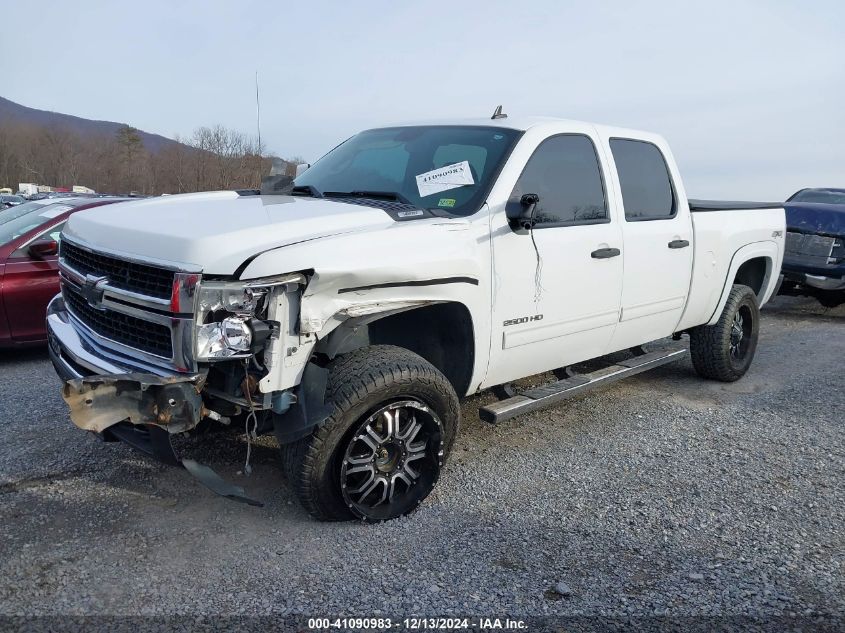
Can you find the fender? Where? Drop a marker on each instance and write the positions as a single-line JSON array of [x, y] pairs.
[[769, 251]]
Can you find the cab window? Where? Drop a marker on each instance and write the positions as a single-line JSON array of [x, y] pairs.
[[647, 192], [565, 174]]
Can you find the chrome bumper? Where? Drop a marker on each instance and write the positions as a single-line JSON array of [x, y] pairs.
[[76, 356], [825, 283]]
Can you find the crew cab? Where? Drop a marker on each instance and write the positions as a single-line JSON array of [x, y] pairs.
[[347, 310]]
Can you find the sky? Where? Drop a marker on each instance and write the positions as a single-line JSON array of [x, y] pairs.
[[750, 95]]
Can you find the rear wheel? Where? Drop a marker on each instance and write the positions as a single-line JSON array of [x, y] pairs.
[[379, 454], [724, 351]]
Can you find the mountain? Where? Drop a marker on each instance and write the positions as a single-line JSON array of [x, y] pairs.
[[11, 112]]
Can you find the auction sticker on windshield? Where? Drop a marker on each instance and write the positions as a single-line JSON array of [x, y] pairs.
[[445, 178]]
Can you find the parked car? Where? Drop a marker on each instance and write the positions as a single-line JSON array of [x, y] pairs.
[[11, 213], [349, 309], [814, 261], [29, 273], [9, 200], [53, 194]]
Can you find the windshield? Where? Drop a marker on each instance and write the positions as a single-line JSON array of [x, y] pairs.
[[7, 215], [824, 196], [446, 167], [11, 228]]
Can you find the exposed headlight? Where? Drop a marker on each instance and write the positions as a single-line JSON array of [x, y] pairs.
[[237, 299], [231, 337], [229, 316], [224, 312]]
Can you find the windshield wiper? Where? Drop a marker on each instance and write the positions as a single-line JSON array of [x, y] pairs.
[[306, 190], [393, 196]]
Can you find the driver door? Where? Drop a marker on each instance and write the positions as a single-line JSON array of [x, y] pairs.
[[557, 289]]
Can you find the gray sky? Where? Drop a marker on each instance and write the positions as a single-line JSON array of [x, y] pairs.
[[751, 95]]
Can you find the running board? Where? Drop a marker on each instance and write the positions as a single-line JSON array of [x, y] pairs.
[[553, 393]]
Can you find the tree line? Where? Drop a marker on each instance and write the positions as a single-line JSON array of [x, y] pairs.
[[212, 158]]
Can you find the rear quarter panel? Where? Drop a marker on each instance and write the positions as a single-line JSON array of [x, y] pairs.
[[724, 240]]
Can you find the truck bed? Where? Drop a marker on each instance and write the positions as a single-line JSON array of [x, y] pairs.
[[726, 205]]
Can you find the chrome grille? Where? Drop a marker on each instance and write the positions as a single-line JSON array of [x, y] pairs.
[[143, 279], [137, 309], [153, 338]]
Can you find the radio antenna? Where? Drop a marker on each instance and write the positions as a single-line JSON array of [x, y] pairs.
[[258, 112]]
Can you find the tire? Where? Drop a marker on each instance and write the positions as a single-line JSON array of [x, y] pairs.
[[831, 298], [373, 390], [724, 351]]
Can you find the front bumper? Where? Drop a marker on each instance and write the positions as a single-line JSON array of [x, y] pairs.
[[103, 390], [121, 399]]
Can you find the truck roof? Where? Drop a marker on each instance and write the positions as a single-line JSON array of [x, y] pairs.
[[524, 123]]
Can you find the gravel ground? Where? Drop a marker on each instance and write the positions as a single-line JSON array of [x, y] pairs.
[[661, 496]]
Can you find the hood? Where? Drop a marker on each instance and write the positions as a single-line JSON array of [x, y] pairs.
[[817, 218], [217, 232]]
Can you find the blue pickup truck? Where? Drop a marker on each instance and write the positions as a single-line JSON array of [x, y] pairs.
[[814, 260]]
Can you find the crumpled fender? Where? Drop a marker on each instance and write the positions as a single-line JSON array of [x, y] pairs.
[[170, 402]]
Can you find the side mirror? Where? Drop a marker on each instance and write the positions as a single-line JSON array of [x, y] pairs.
[[300, 169], [41, 249], [523, 215]]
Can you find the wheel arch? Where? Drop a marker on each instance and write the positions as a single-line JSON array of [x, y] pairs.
[[753, 266], [441, 332], [753, 273]]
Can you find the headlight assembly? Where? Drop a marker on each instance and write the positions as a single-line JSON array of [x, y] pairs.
[[229, 338], [230, 317]]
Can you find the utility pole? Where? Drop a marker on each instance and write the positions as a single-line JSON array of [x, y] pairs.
[[258, 112]]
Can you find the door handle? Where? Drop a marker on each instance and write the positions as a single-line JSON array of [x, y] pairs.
[[605, 253], [678, 243]]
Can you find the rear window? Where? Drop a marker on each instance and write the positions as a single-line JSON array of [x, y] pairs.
[[647, 192], [819, 196]]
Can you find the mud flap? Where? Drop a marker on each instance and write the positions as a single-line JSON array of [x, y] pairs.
[[310, 409]]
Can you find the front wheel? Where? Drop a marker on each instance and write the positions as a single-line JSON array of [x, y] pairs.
[[379, 454], [724, 351]]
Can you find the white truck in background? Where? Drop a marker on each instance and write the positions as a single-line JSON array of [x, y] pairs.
[[348, 310], [27, 189]]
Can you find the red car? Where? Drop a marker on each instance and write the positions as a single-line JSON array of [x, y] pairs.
[[29, 272]]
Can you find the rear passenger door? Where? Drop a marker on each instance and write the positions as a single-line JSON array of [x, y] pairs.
[[557, 288], [657, 236]]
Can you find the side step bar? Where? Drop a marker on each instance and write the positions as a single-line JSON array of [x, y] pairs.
[[553, 393]]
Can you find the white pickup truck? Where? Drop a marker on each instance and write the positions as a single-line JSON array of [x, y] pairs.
[[348, 310]]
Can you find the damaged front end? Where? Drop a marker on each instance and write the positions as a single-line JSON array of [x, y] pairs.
[[141, 369], [145, 411], [173, 403]]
